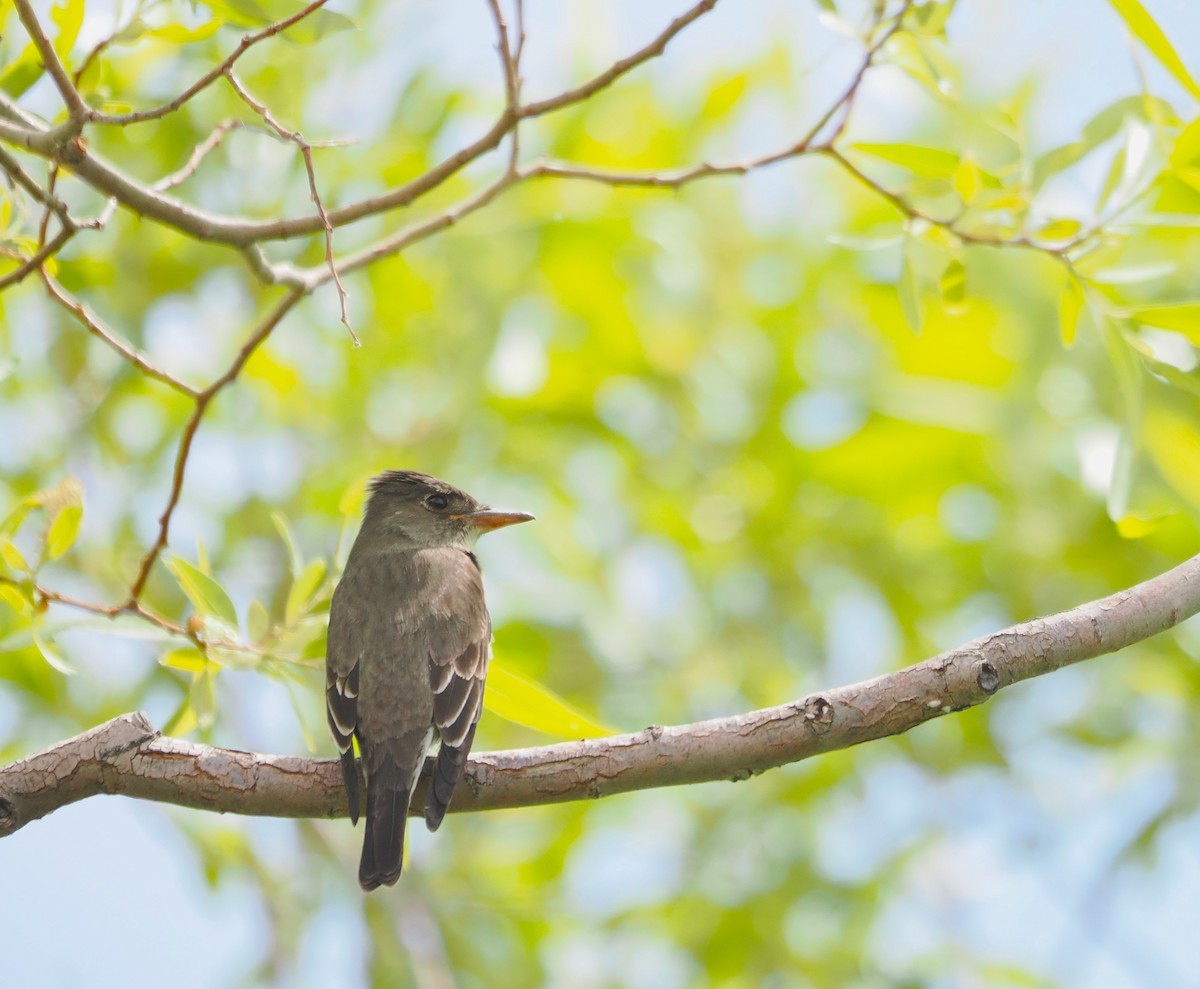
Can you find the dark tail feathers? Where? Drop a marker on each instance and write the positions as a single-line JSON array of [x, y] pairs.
[[446, 772], [387, 813]]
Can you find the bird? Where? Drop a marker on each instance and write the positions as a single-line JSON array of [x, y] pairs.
[[408, 649]]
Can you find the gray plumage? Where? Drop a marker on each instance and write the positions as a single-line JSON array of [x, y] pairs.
[[409, 642]]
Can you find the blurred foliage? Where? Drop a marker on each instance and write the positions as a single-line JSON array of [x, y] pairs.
[[769, 451]]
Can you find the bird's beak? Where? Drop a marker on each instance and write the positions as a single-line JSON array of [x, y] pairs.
[[487, 519]]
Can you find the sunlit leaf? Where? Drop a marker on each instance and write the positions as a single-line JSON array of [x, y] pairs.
[[60, 537], [12, 597], [206, 595], [1151, 35], [524, 702], [909, 293], [295, 559], [258, 621], [723, 96], [49, 650], [927, 162], [953, 286], [304, 586], [1182, 317], [1058, 230], [11, 556], [179, 34], [189, 659], [1070, 305]]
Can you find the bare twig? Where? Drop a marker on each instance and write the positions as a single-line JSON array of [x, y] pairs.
[[198, 154], [203, 399], [35, 262], [248, 41], [240, 232], [92, 324], [126, 755], [42, 593], [296, 138], [620, 67]]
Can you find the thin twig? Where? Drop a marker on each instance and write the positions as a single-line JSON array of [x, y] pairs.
[[296, 138], [35, 263], [92, 324], [620, 67], [248, 41], [203, 399], [197, 156]]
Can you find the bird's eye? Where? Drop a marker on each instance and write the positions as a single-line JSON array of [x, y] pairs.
[[437, 502]]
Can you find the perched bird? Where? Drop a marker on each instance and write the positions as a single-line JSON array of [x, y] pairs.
[[409, 642]]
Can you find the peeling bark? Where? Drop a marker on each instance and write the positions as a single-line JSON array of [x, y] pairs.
[[128, 756]]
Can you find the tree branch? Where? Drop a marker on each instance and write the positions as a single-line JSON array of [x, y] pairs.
[[127, 756]]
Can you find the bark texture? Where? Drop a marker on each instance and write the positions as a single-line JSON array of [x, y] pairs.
[[128, 756]]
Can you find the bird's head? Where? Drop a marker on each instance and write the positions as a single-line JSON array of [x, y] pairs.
[[421, 511]]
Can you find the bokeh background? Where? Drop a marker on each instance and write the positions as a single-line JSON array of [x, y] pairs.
[[761, 465]]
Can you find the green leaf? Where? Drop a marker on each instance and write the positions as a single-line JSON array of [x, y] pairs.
[[524, 702], [909, 293], [60, 537], [930, 163], [723, 96], [18, 602], [49, 650], [1070, 305], [258, 621], [1058, 230], [189, 659], [1151, 35], [179, 34], [27, 68], [953, 286], [1182, 317], [206, 595], [351, 502], [203, 697], [302, 590], [11, 556], [295, 559]]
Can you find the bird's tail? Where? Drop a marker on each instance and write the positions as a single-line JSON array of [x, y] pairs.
[[388, 792]]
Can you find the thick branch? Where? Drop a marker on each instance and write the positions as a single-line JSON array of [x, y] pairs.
[[128, 756]]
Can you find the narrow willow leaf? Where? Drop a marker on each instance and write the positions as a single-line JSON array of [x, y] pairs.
[[1182, 317], [60, 537], [258, 621], [13, 598], [909, 294], [183, 721], [178, 34], [189, 659], [206, 595], [1070, 305], [49, 650], [295, 558], [302, 590], [11, 556], [1151, 35], [953, 286], [525, 702], [1058, 230], [930, 163], [351, 503]]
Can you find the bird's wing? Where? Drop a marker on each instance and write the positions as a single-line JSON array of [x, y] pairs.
[[459, 650], [341, 691]]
